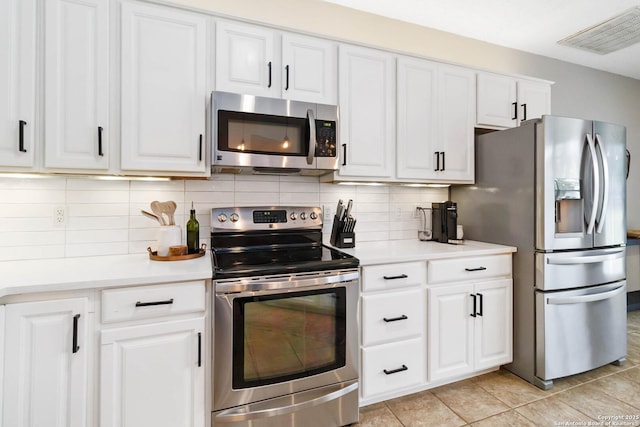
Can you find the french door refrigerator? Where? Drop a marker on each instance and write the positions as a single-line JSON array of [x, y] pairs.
[[555, 188]]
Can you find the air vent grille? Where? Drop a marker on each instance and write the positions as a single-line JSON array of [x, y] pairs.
[[609, 36]]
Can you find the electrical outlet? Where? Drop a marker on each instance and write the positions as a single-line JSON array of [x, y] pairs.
[[398, 212], [58, 216], [326, 211]]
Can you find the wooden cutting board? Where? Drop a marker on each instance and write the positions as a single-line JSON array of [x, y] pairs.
[[635, 234]]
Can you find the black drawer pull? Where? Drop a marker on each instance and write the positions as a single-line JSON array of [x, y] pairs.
[[75, 346], [474, 305], [395, 319], [21, 137], [100, 152], [199, 349], [480, 311], [475, 269], [401, 276], [147, 304], [395, 371]]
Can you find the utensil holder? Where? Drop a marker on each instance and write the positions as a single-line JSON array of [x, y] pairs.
[[339, 237]]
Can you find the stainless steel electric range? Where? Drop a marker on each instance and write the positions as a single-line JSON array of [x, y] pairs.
[[285, 329]]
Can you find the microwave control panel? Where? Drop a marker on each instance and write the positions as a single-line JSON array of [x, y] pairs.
[[325, 138]]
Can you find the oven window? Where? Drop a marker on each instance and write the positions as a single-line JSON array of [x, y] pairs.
[[287, 336], [262, 133]]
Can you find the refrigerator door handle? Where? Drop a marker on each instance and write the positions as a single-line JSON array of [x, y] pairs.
[[586, 259], [586, 298], [605, 185], [596, 187]]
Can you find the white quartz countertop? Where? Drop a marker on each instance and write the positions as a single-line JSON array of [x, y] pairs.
[[68, 274], [370, 253]]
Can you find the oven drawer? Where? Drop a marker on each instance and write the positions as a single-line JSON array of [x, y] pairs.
[[391, 276], [390, 367], [393, 316], [146, 302], [465, 269]]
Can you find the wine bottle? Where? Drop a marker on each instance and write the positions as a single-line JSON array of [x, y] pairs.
[[193, 232]]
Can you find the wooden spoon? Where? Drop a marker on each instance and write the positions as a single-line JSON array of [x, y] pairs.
[[151, 216], [170, 209], [156, 208]]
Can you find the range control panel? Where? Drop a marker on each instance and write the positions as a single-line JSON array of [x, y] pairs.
[[265, 217]]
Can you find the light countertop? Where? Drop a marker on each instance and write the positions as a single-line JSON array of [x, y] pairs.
[[370, 253], [68, 274]]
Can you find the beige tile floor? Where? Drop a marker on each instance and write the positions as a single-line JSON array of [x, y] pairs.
[[503, 399]]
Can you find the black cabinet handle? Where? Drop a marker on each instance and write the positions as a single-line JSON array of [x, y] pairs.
[[147, 304], [286, 69], [75, 347], [474, 305], [100, 129], [443, 167], [395, 371], [437, 155], [475, 269], [524, 111], [401, 276], [480, 301], [269, 65], [344, 154], [200, 149], [21, 137], [199, 349], [515, 111], [395, 319]]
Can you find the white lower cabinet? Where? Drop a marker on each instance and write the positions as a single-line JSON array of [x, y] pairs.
[[46, 354]]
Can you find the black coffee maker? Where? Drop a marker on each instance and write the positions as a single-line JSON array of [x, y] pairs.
[[444, 221]]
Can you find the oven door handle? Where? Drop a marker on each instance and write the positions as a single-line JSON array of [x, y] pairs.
[[312, 136], [247, 412], [240, 286]]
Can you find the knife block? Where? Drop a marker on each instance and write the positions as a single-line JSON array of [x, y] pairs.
[[340, 238]]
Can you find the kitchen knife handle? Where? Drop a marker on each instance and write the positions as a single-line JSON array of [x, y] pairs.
[[199, 349], [286, 86], [480, 304], [21, 137], [395, 371], [524, 111], [100, 152], [395, 319], [400, 276], [344, 154], [515, 111], [75, 347], [269, 65], [473, 314], [147, 304], [200, 148]]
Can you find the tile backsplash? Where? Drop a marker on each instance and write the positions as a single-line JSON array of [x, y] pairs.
[[57, 217]]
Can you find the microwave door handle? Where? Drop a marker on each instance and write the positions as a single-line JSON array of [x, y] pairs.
[[605, 184], [596, 188], [312, 136]]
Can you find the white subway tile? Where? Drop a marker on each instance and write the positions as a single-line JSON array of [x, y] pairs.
[[175, 186], [97, 249], [106, 209], [32, 238], [256, 199], [27, 224], [76, 183], [97, 197], [43, 196], [15, 253], [97, 236], [97, 223]]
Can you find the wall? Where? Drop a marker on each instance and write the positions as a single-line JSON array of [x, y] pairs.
[[578, 91], [102, 217]]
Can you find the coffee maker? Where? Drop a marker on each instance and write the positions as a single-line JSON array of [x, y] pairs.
[[444, 221]]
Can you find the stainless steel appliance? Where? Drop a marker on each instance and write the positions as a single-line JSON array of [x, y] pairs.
[[285, 331], [555, 187], [253, 134], [444, 221]]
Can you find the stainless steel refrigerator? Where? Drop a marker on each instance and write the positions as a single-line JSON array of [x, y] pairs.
[[555, 188]]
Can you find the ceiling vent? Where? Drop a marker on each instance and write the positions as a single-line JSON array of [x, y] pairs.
[[609, 36]]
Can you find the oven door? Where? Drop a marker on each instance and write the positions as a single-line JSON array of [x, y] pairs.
[[282, 335]]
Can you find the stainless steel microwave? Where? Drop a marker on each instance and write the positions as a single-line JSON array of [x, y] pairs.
[[253, 134]]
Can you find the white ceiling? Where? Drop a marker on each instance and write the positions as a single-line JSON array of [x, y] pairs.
[[530, 25]]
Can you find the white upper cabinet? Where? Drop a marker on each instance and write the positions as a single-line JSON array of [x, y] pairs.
[[436, 113], [367, 82], [163, 93], [17, 82], [76, 84], [505, 101], [258, 61]]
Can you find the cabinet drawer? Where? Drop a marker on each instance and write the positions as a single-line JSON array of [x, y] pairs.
[[390, 367], [466, 269], [145, 302], [390, 276], [388, 317]]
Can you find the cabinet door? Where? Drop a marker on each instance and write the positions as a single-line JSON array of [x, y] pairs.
[[534, 100], [153, 375], [309, 69], [497, 100], [17, 82], [450, 331], [45, 364], [493, 324], [246, 61], [76, 84], [417, 118], [367, 112], [162, 89], [456, 106]]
